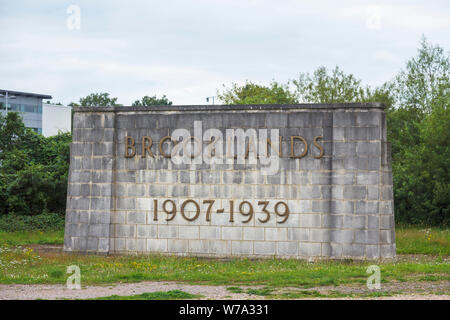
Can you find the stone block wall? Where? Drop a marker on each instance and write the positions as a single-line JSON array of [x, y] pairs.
[[340, 202]]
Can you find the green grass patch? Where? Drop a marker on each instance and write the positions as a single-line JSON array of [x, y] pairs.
[[413, 240], [158, 295], [20, 265], [260, 292], [24, 266], [19, 238], [310, 294], [235, 289]]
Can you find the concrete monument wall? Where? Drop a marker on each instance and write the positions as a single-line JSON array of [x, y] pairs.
[[291, 181]]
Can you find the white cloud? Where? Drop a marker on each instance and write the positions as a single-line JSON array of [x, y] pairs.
[[385, 56], [373, 17], [187, 50]]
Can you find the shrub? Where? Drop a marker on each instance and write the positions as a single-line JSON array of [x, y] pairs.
[[41, 222]]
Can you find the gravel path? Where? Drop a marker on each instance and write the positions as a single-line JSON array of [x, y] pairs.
[[403, 290]]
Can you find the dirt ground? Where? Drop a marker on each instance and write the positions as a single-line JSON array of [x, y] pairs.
[[405, 290]]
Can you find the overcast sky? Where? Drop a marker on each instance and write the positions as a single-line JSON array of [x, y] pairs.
[[188, 49]]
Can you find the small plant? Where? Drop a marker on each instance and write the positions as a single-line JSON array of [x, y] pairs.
[[158, 295], [235, 289], [260, 292]]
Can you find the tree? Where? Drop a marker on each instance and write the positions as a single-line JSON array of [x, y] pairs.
[[421, 172], [426, 78], [153, 101], [98, 100], [251, 93], [33, 169], [419, 129], [324, 87]]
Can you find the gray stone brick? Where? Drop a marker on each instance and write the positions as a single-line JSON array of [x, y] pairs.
[[387, 236], [147, 231], [368, 148], [332, 221], [287, 248], [370, 118], [199, 246], [355, 192], [388, 251], [92, 244], [372, 251], [352, 163], [366, 237], [242, 247], [341, 236], [373, 221], [125, 231], [367, 178], [353, 250], [252, 233], [78, 203], [338, 178], [165, 231], [340, 207], [157, 245], [310, 249], [103, 245], [136, 217], [232, 233], [310, 193], [366, 207], [343, 119], [219, 247], [298, 234], [99, 217], [310, 220], [264, 247], [320, 235], [188, 232]]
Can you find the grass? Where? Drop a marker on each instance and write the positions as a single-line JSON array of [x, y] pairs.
[[23, 265], [158, 295], [415, 240], [308, 294], [32, 237]]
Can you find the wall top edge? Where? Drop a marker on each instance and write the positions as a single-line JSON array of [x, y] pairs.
[[248, 107]]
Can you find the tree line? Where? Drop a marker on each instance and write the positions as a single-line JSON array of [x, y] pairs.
[[33, 168]]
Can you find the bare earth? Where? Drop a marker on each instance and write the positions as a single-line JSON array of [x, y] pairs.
[[405, 290]]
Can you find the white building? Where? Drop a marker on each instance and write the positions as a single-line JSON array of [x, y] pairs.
[[56, 118]]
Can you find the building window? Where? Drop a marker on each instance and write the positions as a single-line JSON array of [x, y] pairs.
[[15, 107]]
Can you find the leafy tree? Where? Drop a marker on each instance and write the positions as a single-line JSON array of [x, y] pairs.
[[421, 171], [252, 93], [427, 77], [98, 100], [419, 128], [33, 169], [325, 87], [153, 101]]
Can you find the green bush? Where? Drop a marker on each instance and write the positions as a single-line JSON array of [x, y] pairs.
[[33, 169], [41, 222]]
